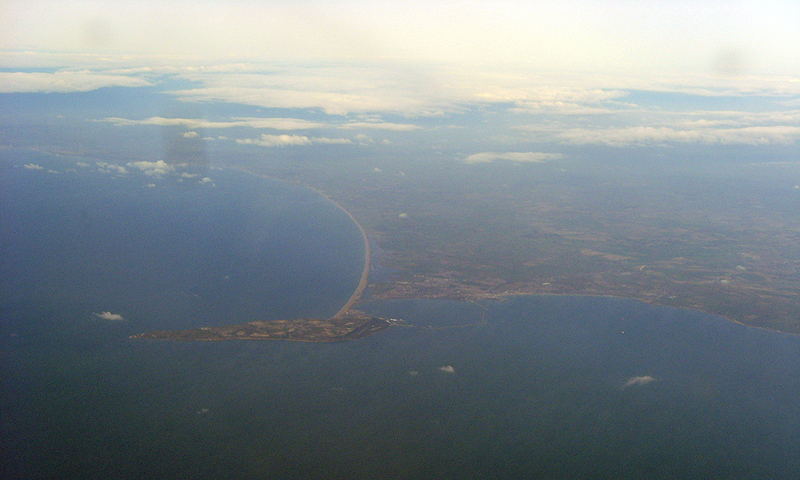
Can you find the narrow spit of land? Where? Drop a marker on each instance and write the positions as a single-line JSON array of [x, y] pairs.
[[347, 324], [367, 265]]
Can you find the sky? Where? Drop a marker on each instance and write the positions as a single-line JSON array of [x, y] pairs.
[[615, 73]]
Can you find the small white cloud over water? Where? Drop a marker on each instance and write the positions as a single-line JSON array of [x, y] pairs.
[[190, 135], [114, 317], [403, 215], [644, 380], [153, 168], [447, 369], [105, 167], [33, 166], [206, 181]]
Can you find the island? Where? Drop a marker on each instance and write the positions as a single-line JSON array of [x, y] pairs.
[[350, 326]]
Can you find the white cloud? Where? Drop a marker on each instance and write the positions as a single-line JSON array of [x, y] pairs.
[[199, 123], [435, 90], [105, 167], [191, 134], [33, 166], [527, 157], [421, 91], [447, 369], [276, 140], [205, 181], [644, 380], [647, 135], [290, 140], [397, 127], [571, 101], [114, 317], [153, 168], [189, 175], [403, 215], [83, 164], [331, 141], [62, 82]]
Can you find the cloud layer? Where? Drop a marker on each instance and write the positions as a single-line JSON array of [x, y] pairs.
[[196, 123], [519, 157], [644, 135], [290, 140], [62, 82], [634, 38]]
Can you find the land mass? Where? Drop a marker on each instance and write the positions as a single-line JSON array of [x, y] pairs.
[[726, 244]]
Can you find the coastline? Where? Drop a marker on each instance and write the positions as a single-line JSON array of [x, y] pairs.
[[356, 296], [362, 284], [499, 297]]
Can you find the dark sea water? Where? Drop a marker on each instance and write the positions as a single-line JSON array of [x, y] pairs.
[[530, 387]]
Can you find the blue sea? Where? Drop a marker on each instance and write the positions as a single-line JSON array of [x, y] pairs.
[[529, 387]]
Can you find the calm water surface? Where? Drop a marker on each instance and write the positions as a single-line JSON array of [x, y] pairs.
[[530, 387]]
